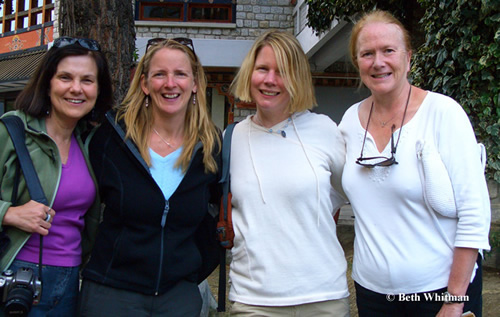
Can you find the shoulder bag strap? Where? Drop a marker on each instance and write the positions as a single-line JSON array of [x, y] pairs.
[[15, 127], [226, 155], [17, 176]]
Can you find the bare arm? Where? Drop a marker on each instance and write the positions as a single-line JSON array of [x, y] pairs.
[[458, 282]]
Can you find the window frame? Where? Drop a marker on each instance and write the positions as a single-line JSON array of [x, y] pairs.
[[14, 21], [186, 12], [214, 6], [160, 4]]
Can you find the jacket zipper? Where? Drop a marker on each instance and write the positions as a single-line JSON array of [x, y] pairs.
[[163, 221], [135, 152]]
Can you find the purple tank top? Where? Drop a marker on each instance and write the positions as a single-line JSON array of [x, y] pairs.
[[76, 193]]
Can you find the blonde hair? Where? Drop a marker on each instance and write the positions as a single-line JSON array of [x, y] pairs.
[[292, 64], [198, 126], [373, 17]]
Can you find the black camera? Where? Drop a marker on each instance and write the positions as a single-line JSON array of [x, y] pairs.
[[21, 289]]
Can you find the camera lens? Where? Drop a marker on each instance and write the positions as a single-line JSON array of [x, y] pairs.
[[19, 301]]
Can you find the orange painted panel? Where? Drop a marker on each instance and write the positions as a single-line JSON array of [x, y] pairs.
[[25, 40]]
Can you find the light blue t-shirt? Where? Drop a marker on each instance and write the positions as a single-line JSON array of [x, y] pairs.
[[164, 173]]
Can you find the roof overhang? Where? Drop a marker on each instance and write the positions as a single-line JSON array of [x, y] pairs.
[[329, 47], [17, 68]]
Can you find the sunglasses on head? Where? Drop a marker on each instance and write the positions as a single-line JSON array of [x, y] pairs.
[[382, 160], [85, 43], [182, 40]]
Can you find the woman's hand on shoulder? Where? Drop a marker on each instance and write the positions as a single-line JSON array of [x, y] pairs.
[[30, 217]]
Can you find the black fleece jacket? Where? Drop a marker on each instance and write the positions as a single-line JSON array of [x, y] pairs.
[[137, 247]]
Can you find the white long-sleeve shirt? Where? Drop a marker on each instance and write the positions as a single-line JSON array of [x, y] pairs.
[[286, 250], [401, 246]]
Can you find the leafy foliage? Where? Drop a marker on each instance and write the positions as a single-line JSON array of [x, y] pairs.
[[461, 59], [460, 56], [322, 12]]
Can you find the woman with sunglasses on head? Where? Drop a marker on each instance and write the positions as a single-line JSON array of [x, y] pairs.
[[156, 159], [412, 256], [70, 89], [286, 165]]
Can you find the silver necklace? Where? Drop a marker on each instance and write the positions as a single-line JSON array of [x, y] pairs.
[[394, 126], [384, 123], [165, 141], [278, 131]]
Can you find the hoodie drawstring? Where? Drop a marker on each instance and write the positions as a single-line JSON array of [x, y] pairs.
[[253, 163], [318, 198]]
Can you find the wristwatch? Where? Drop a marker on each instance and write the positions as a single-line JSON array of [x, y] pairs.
[[452, 299]]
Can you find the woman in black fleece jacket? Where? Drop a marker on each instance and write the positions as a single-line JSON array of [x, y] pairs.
[[157, 162]]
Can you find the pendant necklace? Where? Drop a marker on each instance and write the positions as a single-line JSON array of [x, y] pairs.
[[394, 126], [384, 123], [165, 141]]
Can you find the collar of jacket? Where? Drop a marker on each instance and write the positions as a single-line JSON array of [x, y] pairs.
[[120, 128], [37, 125], [37, 129]]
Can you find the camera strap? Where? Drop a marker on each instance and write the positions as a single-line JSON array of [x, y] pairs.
[[15, 127]]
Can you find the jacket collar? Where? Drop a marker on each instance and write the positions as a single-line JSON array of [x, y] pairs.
[[120, 129], [37, 125], [32, 124]]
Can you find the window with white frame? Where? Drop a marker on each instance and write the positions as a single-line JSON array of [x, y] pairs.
[[300, 17], [20, 14]]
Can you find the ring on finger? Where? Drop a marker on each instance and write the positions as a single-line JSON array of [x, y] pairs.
[[48, 217]]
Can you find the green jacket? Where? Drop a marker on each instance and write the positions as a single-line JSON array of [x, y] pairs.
[[45, 156]]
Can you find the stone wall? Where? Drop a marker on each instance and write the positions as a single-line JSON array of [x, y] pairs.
[[492, 259], [494, 190], [253, 17], [241, 114], [57, 10]]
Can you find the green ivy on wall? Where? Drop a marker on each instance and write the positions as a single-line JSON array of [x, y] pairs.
[[461, 59], [460, 56], [322, 12]]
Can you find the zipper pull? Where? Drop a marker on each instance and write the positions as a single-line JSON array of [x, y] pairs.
[[165, 212]]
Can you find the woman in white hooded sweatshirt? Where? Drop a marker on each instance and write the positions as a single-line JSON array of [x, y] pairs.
[[286, 166]]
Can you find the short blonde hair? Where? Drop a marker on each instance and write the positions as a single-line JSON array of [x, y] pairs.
[[293, 66], [198, 125], [372, 17]]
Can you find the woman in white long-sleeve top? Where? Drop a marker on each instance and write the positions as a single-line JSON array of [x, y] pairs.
[[286, 165], [411, 256]]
